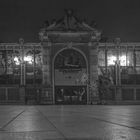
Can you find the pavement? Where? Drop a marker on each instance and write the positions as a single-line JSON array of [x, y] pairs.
[[70, 122]]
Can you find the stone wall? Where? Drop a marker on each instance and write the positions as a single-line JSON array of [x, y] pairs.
[[93, 72]]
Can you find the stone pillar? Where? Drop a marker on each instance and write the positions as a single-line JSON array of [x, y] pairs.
[[118, 74], [47, 95], [93, 72], [21, 44], [22, 76], [118, 94], [22, 94], [46, 53]]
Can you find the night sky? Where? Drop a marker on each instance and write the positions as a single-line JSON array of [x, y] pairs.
[[24, 18]]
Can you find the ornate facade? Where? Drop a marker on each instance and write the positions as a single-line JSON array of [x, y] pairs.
[[65, 65]]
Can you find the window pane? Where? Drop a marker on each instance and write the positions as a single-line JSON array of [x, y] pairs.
[[101, 58], [3, 67], [29, 61], [29, 75], [130, 58], [2, 62], [128, 75], [29, 57], [17, 74], [137, 75], [10, 77], [38, 75], [137, 94], [111, 57], [123, 58], [38, 66], [9, 67], [127, 94], [16, 66], [137, 58], [38, 58], [111, 73]]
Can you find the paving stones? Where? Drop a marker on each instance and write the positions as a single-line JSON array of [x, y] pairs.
[[69, 122]]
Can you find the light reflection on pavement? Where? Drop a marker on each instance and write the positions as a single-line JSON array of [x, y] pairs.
[[70, 122]]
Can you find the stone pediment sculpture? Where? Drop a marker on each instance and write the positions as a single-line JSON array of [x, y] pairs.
[[69, 29], [68, 23]]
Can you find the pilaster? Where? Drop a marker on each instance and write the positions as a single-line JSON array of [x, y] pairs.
[[93, 64], [47, 95], [46, 54]]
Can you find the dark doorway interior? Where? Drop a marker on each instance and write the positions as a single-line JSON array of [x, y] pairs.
[[70, 95], [69, 67]]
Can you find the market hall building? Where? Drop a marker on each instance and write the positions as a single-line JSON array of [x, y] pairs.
[[64, 66]]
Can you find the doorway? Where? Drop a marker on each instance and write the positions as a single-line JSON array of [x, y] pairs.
[[69, 67]]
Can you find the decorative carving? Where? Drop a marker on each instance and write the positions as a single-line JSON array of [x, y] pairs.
[[21, 40], [117, 41], [69, 45], [68, 23], [69, 59]]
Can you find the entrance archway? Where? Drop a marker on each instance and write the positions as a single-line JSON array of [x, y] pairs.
[[69, 67]]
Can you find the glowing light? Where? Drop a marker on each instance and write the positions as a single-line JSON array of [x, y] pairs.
[[28, 59], [16, 60], [122, 60], [128, 62], [111, 60]]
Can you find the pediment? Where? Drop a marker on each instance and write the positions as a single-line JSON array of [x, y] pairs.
[[69, 23], [69, 27]]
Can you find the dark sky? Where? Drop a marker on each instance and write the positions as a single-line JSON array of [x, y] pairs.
[[23, 18]]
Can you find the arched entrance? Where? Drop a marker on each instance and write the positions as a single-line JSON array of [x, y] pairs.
[[69, 67]]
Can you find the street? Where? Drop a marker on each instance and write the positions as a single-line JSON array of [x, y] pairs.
[[70, 122]]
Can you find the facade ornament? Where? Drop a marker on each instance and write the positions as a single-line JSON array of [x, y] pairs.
[[46, 24], [93, 38], [69, 45], [41, 34], [68, 23], [21, 41], [69, 20], [117, 41], [46, 38], [93, 24]]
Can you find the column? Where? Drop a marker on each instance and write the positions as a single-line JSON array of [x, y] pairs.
[[93, 69], [118, 74], [47, 95], [21, 43], [22, 77], [46, 51]]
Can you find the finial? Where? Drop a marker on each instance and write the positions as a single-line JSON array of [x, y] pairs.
[[21, 40], [69, 12]]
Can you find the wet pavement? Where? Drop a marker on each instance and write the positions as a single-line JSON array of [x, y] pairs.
[[70, 122]]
